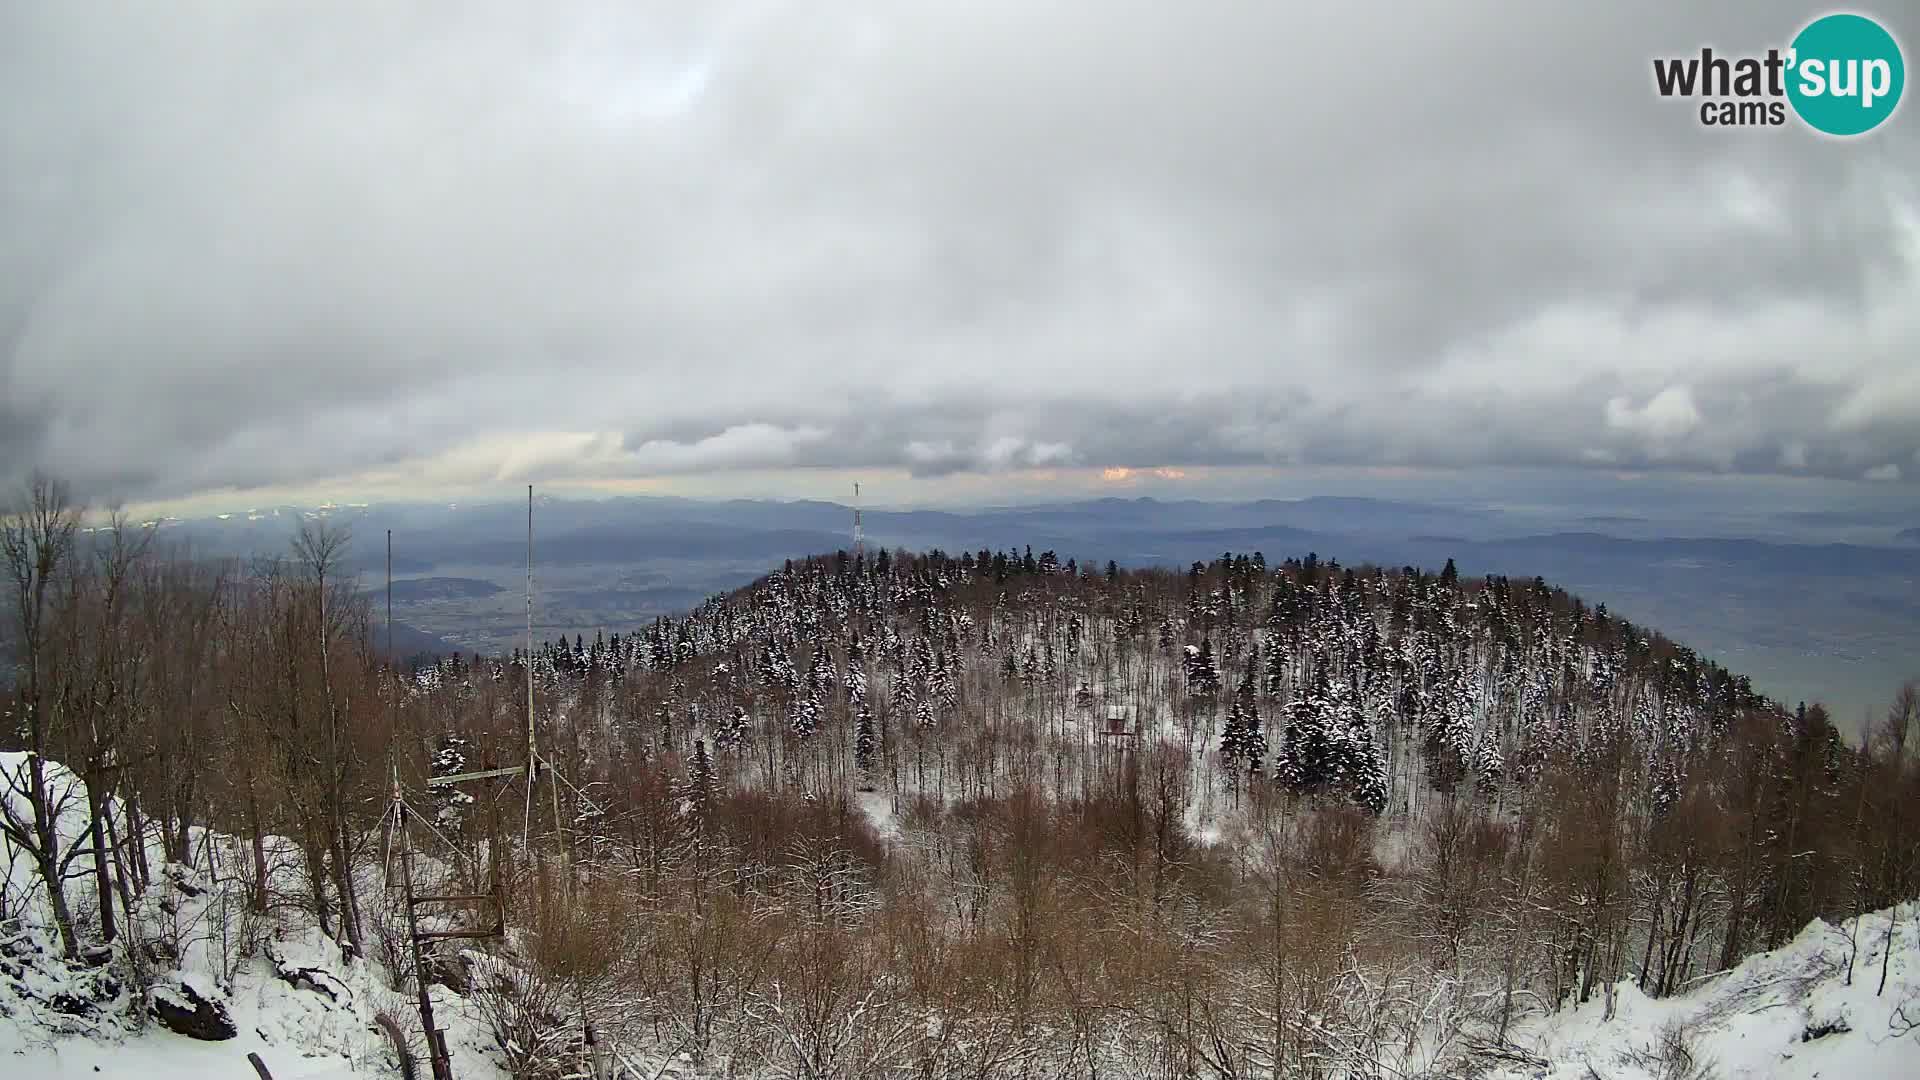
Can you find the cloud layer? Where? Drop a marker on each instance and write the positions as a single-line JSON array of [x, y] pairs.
[[249, 248]]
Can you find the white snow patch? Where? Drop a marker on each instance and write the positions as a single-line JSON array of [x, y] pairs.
[[1788, 1014], [63, 1018], [878, 806]]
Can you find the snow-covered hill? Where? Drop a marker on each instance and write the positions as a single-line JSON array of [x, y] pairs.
[[1790, 1014]]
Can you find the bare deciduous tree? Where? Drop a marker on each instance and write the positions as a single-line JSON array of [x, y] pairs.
[[37, 539]]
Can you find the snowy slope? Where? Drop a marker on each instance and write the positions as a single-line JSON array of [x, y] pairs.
[[1788, 1014], [1791, 1013], [63, 1018], [297, 1032]]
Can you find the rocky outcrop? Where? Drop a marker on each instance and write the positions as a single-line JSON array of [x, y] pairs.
[[184, 1010]]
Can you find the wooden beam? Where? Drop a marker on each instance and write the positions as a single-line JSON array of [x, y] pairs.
[[442, 781], [443, 935]]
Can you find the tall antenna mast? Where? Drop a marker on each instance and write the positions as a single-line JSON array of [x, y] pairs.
[[859, 531], [531, 756], [533, 750]]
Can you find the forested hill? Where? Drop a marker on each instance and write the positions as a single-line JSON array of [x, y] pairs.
[[1309, 676], [1555, 797]]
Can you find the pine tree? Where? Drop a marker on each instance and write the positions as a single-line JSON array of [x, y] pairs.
[[733, 732], [1279, 653], [822, 672], [1306, 762], [802, 719], [1241, 740], [1361, 769], [943, 688], [1233, 734], [1203, 679], [449, 758], [856, 686]]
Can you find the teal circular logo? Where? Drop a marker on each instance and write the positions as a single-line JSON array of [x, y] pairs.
[[1845, 74]]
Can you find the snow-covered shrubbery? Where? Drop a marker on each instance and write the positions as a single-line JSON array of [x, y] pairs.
[[194, 982], [1791, 1013]]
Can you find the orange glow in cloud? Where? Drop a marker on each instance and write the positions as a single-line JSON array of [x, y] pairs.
[[1120, 474]]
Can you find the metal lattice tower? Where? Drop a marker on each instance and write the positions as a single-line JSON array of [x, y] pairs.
[[859, 531]]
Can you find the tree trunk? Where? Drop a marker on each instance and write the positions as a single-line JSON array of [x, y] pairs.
[[137, 835], [1653, 936], [1886, 952], [1588, 964], [102, 880], [1680, 941], [185, 795], [181, 849], [57, 897], [258, 898], [120, 872], [343, 884], [317, 882], [46, 855]]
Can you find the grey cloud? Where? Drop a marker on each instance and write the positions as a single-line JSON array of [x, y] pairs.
[[255, 247]]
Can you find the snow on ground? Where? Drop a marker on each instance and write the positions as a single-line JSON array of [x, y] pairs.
[[69, 797], [318, 1024], [309, 1013], [292, 998], [1785, 1015], [878, 806]]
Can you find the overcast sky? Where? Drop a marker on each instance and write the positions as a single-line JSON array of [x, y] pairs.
[[377, 247]]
